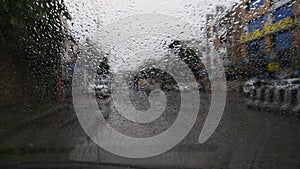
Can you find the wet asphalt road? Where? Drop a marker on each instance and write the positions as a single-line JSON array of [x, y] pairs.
[[244, 138]]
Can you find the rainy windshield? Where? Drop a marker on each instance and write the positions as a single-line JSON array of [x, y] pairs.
[[150, 84]]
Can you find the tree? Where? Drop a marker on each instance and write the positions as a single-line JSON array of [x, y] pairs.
[[33, 32], [103, 67], [188, 55], [92, 57]]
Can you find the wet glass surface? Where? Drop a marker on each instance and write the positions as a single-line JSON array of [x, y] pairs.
[[150, 84]]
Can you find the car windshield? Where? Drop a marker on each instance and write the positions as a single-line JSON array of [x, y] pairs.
[[179, 84]]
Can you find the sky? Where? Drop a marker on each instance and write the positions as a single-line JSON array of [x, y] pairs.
[[97, 18], [86, 14]]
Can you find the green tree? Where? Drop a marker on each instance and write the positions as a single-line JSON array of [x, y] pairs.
[[190, 56], [92, 57], [32, 31]]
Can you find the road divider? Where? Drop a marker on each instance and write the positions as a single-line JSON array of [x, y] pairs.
[[270, 99]]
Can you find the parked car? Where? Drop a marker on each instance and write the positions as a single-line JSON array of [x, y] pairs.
[[184, 88], [293, 83], [256, 83], [170, 87], [188, 86]]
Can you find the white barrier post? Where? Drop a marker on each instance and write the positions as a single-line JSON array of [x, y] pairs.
[[296, 107], [258, 98], [268, 98], [286, 102]]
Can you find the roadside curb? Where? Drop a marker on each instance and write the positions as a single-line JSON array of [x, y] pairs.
[[42, 115], [45, 113]]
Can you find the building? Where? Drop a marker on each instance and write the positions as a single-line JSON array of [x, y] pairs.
[[69, 48], [211, 33], [271, 31], [259, 32], [69, 51], [228, 29]]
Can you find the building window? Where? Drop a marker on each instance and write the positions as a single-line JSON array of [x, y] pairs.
[[283, 40], [254, 4], [256, 24], [257, 46], [282, 13], [283, 47]]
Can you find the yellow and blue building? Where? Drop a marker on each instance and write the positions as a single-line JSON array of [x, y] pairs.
[[271, 31], [262, 32]]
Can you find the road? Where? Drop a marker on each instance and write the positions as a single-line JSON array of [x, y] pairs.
[[245, 138]]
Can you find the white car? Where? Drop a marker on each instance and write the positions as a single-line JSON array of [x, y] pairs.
[[188, 86], [281, 84], [288, 83], [184, 88], [294, 83], [249, 85], [254, 83], [102, 88]]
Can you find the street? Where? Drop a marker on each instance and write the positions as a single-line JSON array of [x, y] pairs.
[[244, 138]]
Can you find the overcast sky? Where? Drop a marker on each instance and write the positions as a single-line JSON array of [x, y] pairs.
[[85, 13], [90, 16]]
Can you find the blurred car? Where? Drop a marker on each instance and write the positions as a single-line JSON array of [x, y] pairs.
[[188, 86], [102, 88], [169, 87], [257, 83], [184, 88], [249, 85], [294, 83]]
